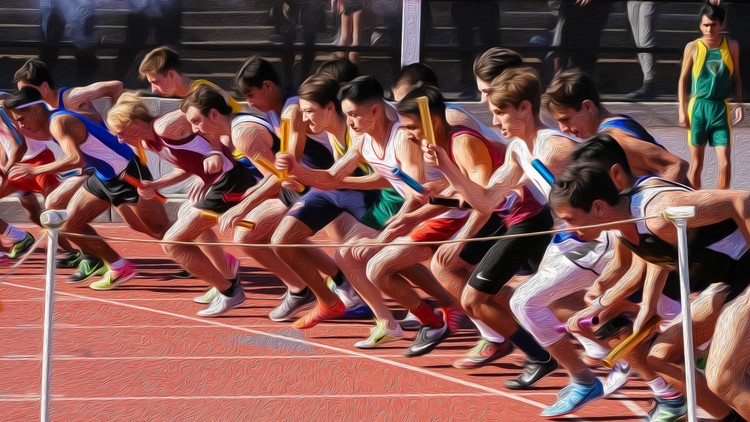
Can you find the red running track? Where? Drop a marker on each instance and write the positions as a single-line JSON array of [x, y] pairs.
[[140, 353]]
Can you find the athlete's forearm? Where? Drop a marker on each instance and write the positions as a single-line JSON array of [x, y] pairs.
[[175, 176], [60, 166], [266, 189]]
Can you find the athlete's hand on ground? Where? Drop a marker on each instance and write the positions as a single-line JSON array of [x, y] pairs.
[[739, 114], [229, 219], [285, 161], [682, 120], [21, 171], [448, 253]]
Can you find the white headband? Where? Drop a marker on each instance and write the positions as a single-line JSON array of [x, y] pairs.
[[30, 104]]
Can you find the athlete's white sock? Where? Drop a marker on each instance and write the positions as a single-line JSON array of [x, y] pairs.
[[15, 234], [593, 349], [487, 333]]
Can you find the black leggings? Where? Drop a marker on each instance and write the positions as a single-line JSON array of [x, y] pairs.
[[509, 256]]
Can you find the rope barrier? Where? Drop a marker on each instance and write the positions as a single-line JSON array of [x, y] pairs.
[[353, 245]]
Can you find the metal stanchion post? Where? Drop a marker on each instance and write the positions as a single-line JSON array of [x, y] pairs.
[[411, 35], [679, 216], [52, 221]]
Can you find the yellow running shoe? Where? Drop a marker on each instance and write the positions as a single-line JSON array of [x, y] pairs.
[[380, 334]]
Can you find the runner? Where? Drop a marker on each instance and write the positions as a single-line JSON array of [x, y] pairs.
[[88, 144]]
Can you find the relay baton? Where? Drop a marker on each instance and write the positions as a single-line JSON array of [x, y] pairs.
[[543, 170], [138, 184], [242, 223], [627, 345], [284, 145], [424, 114], [263, 162], [409, 181], [11, 127], [448, 202], [587, 322]]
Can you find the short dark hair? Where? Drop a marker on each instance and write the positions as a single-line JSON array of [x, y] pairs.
[[341, 70], [253, 73], [409, 105], [205, 98], [569, 89], [582, 183], [490, 64], [713, 12], [602, 148], [322, 89], [411, 74], [26, 95], [34, 72], [361, 89]]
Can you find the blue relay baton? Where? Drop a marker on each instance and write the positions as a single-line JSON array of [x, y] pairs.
[[543, 170], [9, 124], [409, 181]]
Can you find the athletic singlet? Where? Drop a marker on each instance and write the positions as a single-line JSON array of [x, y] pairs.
[[384, 167], [715, 250], [513, 211], [35, 147], [189, 154], [275, 120], [486, 131], [60, 101], [363, 168], [630, 126], [712, 72], [315, 155], [102, 151]]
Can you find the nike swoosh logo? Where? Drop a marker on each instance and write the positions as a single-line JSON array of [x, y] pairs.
[[434, 334], [419, 348], [479, 276]]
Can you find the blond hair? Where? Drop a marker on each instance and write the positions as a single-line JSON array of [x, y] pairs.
[[514, 86], [160, 60], [128, 107]]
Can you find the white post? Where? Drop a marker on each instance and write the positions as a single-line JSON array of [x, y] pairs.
[[52, 221], [411, 34], [678, 216]]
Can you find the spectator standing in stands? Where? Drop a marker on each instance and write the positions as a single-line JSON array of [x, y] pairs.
[[77, 16], [738, 23], [311, 15], [711, 68], [642, 16], [351, 26], [578, 33], [468, 15]]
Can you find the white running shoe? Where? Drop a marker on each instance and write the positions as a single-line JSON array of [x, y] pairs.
[[222, 304], [617, 378]]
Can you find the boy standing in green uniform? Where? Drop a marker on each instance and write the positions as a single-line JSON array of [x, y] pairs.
[[711, 63]]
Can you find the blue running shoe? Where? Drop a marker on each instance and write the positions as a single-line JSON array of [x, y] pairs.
[[574, 397], [361, 311]]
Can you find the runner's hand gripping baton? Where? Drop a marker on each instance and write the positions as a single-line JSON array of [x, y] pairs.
[[263, 162], [627, 345]]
